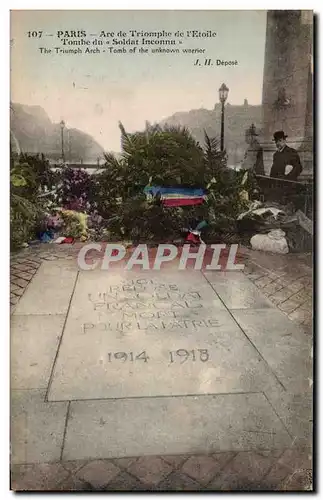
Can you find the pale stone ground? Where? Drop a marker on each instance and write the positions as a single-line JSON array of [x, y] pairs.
[[239, 418]]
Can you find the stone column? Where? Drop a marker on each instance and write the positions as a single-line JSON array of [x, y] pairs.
[[287, 85]]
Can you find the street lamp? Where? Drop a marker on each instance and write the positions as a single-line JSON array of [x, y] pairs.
[[62, 124], [223, 95]]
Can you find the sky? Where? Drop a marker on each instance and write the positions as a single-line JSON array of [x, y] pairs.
[[92, 92]]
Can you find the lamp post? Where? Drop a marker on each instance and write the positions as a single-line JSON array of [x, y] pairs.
[[62, 124], [223, 95]]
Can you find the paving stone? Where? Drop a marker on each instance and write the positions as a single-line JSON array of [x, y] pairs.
[[271, 288], [98, 473], [50, 290], [182, 425], [299, 289], [303, 295], [222, 459], [299, 481], [126, 482], [37, 428], [13, 299], [175, 460], [73, 483], [236, 290], [17, 291], [48, 257], [281, 295], [21, 268], [18, 260], [150, 470], [296, 459], [282, 343], [40, 477], [289, 305], [296, 286], [295, 411], [308, 304], [300, 315], [14, 272], [124, 463], [263, 281], [19, 281], [275, 477], [307, 280], [178, 481], [74, 465], [34, 341], [202, 468], [256, 276], [33, 262], [243, 473], [307, 327], [26, 276]]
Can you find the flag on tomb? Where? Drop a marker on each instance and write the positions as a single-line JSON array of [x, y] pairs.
[[177, 196]]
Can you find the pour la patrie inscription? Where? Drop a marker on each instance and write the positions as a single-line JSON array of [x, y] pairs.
[[145, 305]]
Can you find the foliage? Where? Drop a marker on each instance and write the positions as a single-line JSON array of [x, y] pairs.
[[23, 219], [75, 223], [30, 176], [215, 161], [111, 203], [167, 156], [227, 199], [74, 188]]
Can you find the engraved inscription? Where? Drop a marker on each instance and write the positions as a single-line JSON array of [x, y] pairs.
[[180, 355]]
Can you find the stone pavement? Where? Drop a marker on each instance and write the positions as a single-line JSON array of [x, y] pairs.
[[217, 396]]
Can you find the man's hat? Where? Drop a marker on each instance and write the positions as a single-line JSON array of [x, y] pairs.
[[280, 134]]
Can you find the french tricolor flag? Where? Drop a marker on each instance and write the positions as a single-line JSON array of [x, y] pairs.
[[177, 196]]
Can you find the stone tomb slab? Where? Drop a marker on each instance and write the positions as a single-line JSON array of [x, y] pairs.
[[50, 290], [152, 334], [37, 428], [236, 290], [34, 341], [284, 345], [171, 426]]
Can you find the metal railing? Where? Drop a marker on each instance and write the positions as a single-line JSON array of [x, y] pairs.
[[286, 191]]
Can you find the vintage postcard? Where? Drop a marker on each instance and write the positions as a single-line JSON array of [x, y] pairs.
[[161, 217]]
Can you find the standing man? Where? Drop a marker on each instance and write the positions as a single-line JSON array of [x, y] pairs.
[[253, 158], [286, 161]]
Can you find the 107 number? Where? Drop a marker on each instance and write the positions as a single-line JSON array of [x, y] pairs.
[[35, 34]]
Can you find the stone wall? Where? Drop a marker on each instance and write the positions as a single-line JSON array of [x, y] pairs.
[[287, 85]]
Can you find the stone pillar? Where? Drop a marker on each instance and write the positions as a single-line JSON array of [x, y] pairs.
[[287, 86]]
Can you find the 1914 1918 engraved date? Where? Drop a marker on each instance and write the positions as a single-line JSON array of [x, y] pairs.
[[180, 355]]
